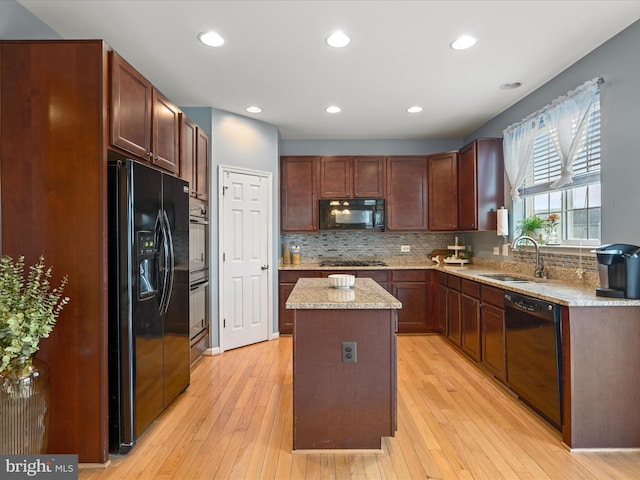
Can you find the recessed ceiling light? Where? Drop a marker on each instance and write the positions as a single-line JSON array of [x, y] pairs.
[[333, 109], [510, 86], [338, 39], [464, 42], [414, 109], [211, 39], [254, 109]]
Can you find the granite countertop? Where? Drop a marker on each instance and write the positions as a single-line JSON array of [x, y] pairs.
[[394, 266], [316, 293], [556, 291]]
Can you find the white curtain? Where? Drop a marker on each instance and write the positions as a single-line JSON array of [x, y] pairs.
[[517, 147], [566, 120]]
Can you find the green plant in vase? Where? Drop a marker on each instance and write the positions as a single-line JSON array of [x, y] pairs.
[[530, 225], [29, 308]]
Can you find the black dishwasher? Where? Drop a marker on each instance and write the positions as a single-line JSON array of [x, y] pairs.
[[534, 353]]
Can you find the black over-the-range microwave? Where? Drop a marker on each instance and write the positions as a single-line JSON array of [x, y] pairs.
[[352, 213]]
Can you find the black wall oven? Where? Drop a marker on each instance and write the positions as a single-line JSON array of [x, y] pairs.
[[198, 238], [198, 269]]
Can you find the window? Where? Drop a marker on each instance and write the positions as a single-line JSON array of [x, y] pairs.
[[578, 203]]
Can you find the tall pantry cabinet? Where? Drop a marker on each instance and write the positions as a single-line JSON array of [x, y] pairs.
[[53, 200], [56, 112]]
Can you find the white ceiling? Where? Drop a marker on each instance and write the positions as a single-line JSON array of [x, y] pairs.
[[275, 56]]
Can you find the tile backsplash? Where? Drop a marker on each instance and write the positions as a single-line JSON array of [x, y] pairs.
[[365, 244], [356, 244]]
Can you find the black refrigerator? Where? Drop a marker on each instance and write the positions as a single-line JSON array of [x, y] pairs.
[[149, 351]]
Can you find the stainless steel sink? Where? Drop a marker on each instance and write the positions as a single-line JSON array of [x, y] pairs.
[[503, 277]]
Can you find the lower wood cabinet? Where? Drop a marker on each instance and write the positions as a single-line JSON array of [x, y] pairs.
[[471, 316], [493, 333], [454, 330], [286, 281], [414, 288], [441, 302]]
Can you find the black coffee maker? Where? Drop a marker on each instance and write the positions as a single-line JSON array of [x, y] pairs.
[[619, 269]]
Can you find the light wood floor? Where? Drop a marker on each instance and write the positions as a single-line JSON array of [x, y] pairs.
[[454, 422]]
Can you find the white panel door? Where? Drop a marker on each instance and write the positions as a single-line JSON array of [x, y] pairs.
[[245, 302]]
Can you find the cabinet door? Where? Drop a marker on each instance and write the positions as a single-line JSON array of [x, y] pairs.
[[166, 133], [285, 316], [443, 191], [298, 194], [468, 188], [286, 281], [202, 165], [412, 318], [470, 326], [406, 207], [188, 139], [442, 309], [131, 98], [493, 340], [368, 177], [335, 177], [480, 184], [380, 276], [453, 316]]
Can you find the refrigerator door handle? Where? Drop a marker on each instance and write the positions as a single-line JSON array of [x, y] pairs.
[[171, 262], [163, 260]]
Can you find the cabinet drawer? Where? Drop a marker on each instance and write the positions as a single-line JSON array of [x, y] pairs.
[[454, 282], [408, 275], [441, 278], [470, 287], [494, 296], [380, 276], [292, 277]]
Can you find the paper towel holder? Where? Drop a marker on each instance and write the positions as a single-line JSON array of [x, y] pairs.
[[502, 227]]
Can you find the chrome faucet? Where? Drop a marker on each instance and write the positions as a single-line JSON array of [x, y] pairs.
[[539, 264]]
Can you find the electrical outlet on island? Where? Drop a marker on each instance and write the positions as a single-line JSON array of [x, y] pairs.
[[405, 248]]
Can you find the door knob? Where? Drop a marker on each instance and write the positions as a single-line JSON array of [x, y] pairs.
[[265, 267]]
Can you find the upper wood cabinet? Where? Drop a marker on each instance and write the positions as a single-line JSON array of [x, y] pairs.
[[352, 177], [406, 185], [194, 158], [299, 194], [467, 188], [144, 122], [442, 171], [480, 184]]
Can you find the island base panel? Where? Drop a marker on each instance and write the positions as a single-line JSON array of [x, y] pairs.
[[344, 405]]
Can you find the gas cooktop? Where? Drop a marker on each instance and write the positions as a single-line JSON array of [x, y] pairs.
[[352, 263]]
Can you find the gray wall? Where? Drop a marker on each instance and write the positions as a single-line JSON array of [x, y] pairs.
[[369, 146], [238, 141], [17, 23], [617, 61]]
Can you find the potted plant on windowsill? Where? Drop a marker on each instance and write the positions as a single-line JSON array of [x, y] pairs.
[[29, 308], [530, 225]]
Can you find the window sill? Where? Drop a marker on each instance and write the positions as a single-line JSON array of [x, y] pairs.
[[565, 249]]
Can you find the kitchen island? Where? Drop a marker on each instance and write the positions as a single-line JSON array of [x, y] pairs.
[[344, 365]]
